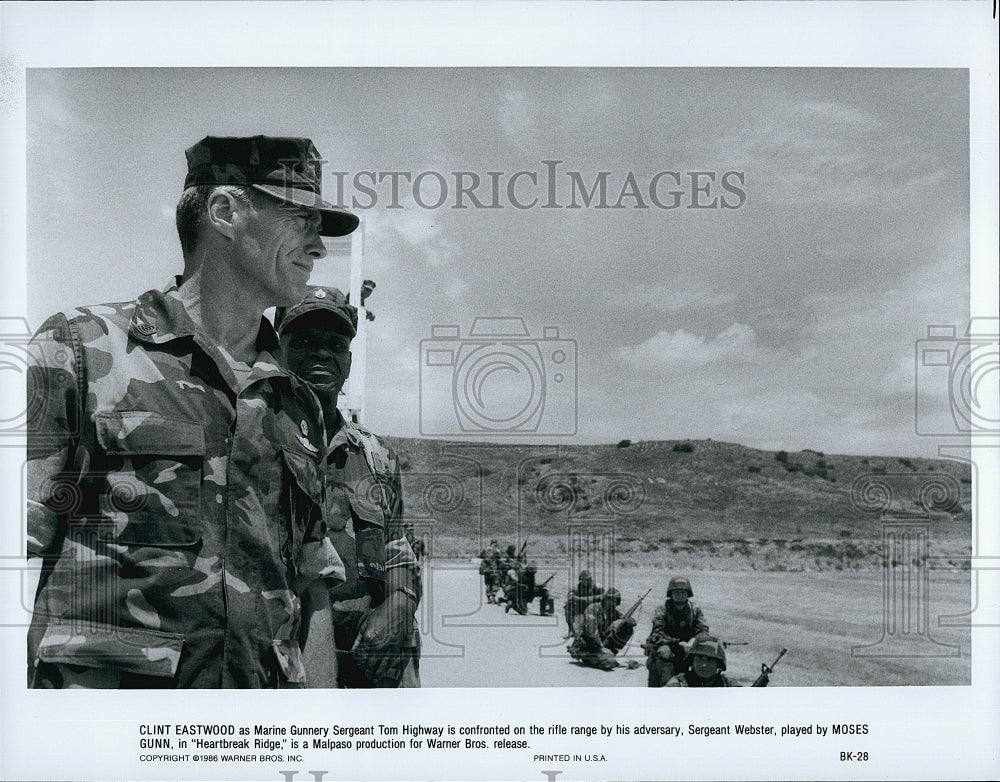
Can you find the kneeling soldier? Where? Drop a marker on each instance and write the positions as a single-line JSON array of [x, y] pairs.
[[603, 633], [675, 624]]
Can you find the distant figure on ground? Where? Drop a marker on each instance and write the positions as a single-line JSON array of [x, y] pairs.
[[489, 569], [582, 595]]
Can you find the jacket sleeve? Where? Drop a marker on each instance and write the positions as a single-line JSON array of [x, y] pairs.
[[53, 421], [659, 635], [402, 569]]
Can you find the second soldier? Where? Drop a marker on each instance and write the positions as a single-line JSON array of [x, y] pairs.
[[363, 631]]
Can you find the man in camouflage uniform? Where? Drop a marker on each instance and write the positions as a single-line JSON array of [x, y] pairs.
[[675, 624], [708, 661], [602, 633], [374, 641], [174, 484], [582, 595]]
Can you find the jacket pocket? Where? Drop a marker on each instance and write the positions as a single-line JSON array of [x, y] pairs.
[[369, 537], [151, 493], [126, 649], [305, 474]]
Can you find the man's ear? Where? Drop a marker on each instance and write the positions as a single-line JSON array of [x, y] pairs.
[[222, 209]]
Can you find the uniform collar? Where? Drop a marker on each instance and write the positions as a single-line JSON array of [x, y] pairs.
[[160, 317], [347, 434]]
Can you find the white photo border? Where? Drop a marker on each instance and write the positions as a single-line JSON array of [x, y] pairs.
[[921, 732]]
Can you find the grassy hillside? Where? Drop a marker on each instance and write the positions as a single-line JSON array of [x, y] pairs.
[[688, 498]]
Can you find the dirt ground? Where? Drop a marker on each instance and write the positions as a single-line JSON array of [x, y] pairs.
[[840, 628]]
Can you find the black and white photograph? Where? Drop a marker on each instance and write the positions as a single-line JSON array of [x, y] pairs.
[[525, 386]]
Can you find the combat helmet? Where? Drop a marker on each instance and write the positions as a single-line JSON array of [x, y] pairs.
[[710, 647], [585, 576], [612, 594], [679, 582]]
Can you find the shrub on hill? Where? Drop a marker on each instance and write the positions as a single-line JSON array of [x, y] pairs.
[[683, 448]]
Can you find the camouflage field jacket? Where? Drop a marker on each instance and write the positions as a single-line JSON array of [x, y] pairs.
[[669, 623], [177, 506], [364, 518], [597, 622]]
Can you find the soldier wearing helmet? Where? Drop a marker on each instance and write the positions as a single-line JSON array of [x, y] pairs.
[[676, 624], [708, 661], [602, 632], [582, 595]]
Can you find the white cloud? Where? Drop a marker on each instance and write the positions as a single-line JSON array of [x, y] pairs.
[[681, 348], [419, 228]]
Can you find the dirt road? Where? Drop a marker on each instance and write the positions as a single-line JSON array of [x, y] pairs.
[[823, 619]]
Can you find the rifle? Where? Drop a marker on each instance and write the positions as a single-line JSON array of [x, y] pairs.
[[766, 670], [628, 615], [727, 644], [523, 546], [635, 606], [545, 583]]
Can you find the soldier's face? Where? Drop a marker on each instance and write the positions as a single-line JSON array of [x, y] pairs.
[[319, 355], [705, 667], [277, 245], [679, 596]]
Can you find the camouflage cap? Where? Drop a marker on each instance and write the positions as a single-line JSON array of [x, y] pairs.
[[320, 299], [284, 167]]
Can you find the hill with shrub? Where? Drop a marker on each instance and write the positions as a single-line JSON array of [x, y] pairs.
[[711, 503]]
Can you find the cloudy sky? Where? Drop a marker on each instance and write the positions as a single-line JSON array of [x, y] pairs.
[[784, 314]]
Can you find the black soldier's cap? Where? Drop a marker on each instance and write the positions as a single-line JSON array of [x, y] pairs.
[[331, 301], [284, 167]]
